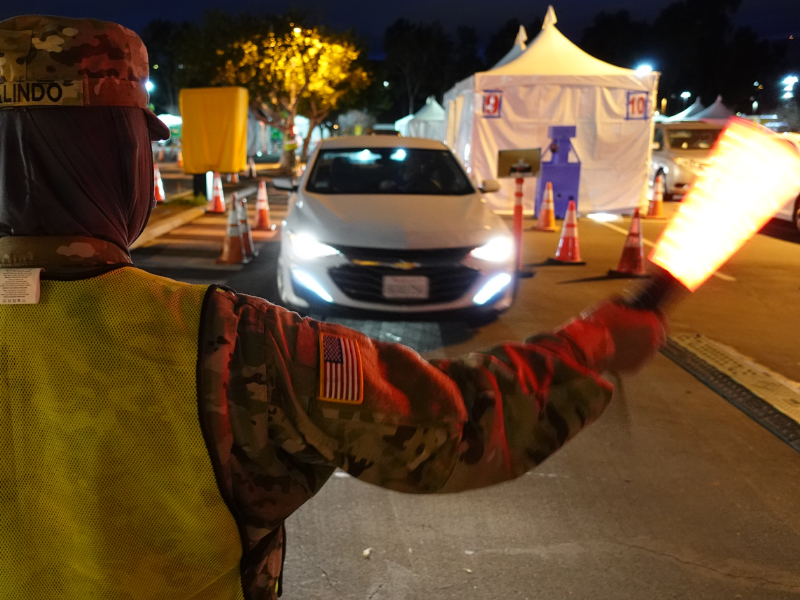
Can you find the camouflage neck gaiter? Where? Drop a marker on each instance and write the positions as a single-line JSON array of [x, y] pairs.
[[83, 171]]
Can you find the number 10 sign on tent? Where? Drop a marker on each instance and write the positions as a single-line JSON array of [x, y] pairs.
[[637, 107]]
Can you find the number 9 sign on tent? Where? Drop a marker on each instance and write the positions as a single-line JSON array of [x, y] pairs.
[[637, 106], [492, 99]]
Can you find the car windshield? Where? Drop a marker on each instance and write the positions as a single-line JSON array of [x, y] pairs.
[[692, 139], [388, 171]]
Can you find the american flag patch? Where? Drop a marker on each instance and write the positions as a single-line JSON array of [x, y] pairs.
[[341, 378]]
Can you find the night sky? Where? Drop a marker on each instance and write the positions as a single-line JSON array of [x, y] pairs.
[[770, 18]]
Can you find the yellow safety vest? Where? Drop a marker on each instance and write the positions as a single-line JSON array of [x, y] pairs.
[[106, 486]]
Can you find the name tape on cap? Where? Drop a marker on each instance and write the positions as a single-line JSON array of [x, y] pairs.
[[40, 93]]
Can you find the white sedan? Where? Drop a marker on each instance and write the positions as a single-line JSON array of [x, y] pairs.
[[388, 224], [791, 211]]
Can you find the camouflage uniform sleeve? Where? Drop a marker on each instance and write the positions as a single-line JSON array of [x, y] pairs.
[[423, 426]]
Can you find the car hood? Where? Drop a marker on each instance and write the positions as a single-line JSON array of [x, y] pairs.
[[398, 222]]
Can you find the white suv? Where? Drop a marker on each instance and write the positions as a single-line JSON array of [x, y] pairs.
[[680, 152]]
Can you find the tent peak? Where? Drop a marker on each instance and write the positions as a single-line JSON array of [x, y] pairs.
[[522, 37], [550, 18]]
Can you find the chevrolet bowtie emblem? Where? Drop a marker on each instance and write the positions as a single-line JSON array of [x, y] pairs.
[[402, 265]]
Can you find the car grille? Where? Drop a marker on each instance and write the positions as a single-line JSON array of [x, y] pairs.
[[438, 256], [365, 283]]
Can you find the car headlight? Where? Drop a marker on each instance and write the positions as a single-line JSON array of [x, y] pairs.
[[499, 249], [690, 163], [306, 246]]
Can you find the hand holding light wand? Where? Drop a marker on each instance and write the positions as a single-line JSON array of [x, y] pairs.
[[751, 175]]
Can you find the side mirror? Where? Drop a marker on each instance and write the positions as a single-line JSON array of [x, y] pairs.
[[285, 184], [489, 186], [656, 145]]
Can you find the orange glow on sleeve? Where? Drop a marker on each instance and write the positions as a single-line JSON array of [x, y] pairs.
[[752, 174]]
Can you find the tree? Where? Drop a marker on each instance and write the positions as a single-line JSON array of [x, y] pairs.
[[162, 39], [466, 59], [417, 55], [502, 40], [282, 63], [337, 79], [617, 39]]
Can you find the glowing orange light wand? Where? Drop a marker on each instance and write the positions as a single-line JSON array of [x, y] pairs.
[[751, 175]]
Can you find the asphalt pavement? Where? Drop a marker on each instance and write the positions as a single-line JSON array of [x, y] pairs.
[[674, 493]]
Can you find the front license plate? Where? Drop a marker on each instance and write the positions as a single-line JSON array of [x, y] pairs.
[[398, 286]]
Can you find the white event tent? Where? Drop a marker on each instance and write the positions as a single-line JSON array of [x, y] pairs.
[[717, 111], [553, 82], [401, 125], [427, 122], [696, 107]]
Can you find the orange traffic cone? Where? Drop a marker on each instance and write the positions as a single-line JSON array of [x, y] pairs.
[[162, 153], [251, 168], [217, 204], [656, 208], [262, 209], [244, 227], [233, 244], [180, 158], [233, 178], [158, 186], [569, 252], [547, 216], [631, 263]]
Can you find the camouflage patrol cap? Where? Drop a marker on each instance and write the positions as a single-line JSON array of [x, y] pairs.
[[58, 61]]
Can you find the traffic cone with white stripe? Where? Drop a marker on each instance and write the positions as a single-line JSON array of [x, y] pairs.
[[180, 158], [631, 263], [233, 250], [263, 222], [158, 186], [656, 208], [569, 252], [217, 204], [233, 178], [251, 168], [547, 215], [244, 226]]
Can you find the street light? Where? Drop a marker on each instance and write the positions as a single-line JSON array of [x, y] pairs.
[[686, 95], [149, 86], [385, 84], [644, 69]]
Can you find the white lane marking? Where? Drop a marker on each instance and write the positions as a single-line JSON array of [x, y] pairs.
[[725, 277], [647, 242], [772, 387]]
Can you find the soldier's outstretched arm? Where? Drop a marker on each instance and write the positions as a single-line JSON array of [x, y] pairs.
[[328, 396]]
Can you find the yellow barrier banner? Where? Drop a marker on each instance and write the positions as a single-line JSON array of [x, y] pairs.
[[214, 136]]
